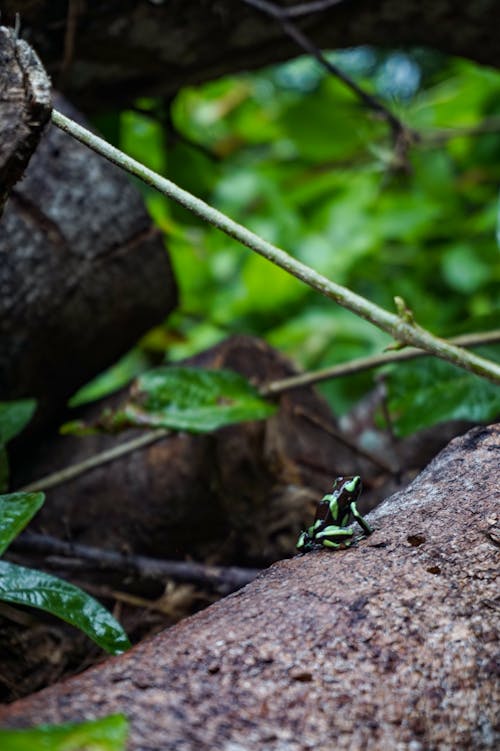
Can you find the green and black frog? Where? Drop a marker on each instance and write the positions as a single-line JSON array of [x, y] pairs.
[[335, 511]]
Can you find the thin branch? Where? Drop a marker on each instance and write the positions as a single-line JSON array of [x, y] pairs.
[[305, 9], [369, 363], [339, 436], [222, 578], [270, 389], [402, 136], [294, 11], [400, 327], [162, 116], [69, 473]]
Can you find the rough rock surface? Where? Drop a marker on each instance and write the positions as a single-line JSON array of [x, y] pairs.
[[388, 645]]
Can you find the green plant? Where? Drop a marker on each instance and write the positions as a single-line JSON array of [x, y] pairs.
[[184, 398], [29, 587], [311, 171]]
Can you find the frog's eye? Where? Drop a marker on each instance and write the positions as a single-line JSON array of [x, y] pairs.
[[353, 484]]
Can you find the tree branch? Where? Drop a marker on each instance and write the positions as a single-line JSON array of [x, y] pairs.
[[369, 363], [302, 9], [223, 578], [275, 387], [68, 473], [403, 137], [399, 327]]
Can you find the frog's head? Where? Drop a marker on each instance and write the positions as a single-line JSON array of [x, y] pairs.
[[347, 488]]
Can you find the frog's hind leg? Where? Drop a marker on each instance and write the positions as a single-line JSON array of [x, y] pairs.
[[333, 536]]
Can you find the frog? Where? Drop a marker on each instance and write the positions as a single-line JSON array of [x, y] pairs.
[[334, 512]]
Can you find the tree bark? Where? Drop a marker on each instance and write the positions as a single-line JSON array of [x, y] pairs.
[[106, 54], [390, 644]]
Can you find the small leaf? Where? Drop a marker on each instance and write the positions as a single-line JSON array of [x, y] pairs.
[[14, 416], [16, 510], [106, 734], [36, 589], [427, 392], [192, 399]]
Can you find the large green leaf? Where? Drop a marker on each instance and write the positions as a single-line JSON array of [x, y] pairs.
[[191, 399], [24, 586], [16, 510], [429, 391], [14, 416], [106, 734]]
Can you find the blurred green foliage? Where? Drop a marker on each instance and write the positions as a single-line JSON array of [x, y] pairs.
[[291, 153], [105, 734]]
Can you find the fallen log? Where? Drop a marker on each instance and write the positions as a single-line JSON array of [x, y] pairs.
[[83, 272], [387, 645]]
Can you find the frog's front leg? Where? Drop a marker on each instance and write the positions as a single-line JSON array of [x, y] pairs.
[[334, 536], [362, 522]]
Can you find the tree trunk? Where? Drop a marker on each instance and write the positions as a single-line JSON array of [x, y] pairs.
[[390, 644]]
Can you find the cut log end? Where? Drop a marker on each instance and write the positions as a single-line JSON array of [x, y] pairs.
[[25, 107]]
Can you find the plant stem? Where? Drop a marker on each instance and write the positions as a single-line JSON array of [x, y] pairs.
[[368, 363], [274, 387], [74, 470], [401, 328]]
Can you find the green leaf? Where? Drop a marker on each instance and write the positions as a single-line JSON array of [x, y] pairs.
[[464, 269], [106, 734], [112, 379], [16, 510], [36, 589], [14, 416], [192, 399], [426, 392]]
